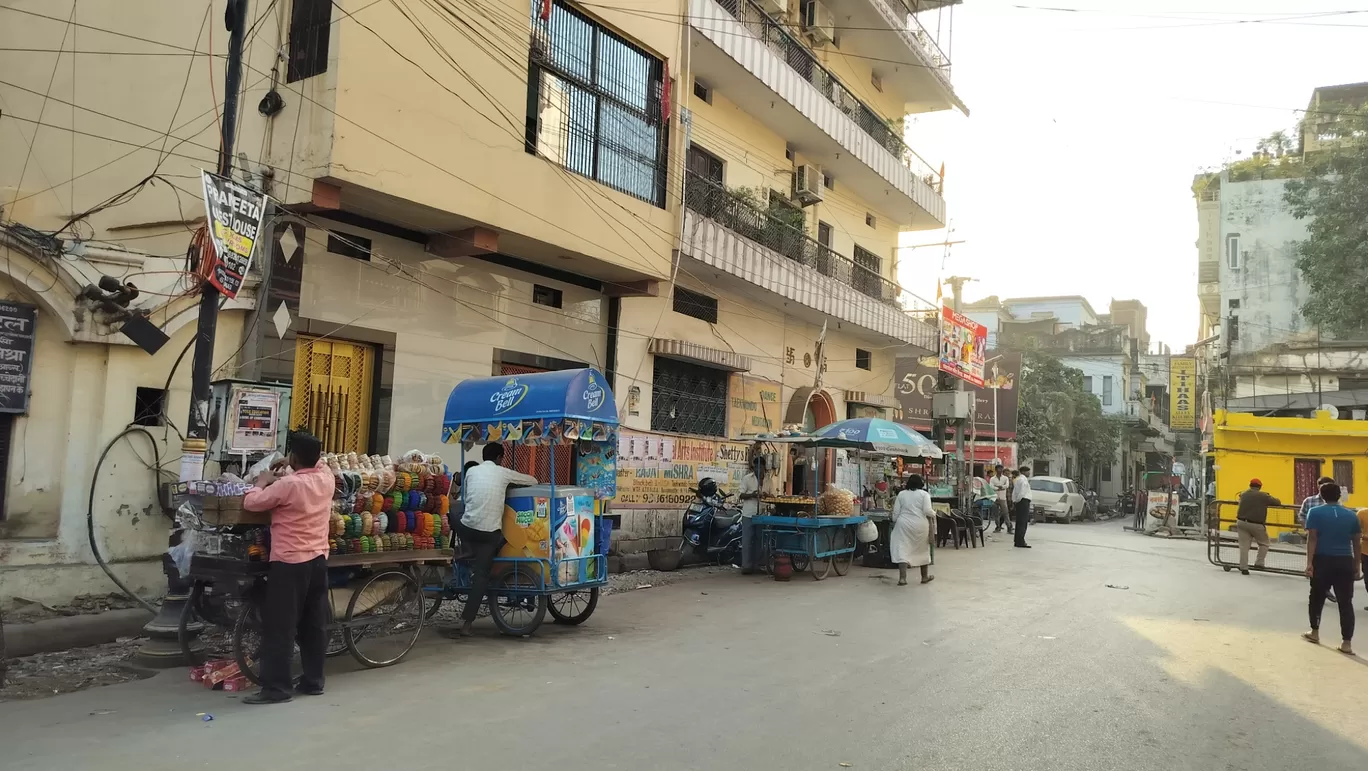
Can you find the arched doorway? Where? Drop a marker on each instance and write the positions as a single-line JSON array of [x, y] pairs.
[[811, 408]]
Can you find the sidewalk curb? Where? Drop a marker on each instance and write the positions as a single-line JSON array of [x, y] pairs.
[[57, 634]]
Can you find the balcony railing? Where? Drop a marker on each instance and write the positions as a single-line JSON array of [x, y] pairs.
[[801, 60], [923, 38], [739, 215]]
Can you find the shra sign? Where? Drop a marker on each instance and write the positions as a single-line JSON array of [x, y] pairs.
[[236, 214]]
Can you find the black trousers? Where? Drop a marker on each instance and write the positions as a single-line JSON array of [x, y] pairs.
[[296, 609], [1023, 517], [483, 545], [1333, 573]]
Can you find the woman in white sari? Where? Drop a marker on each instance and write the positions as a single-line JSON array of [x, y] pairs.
[[914, 524]]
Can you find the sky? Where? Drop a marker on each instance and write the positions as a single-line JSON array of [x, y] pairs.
[[1072, 173]]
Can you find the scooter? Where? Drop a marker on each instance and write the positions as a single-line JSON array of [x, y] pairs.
[[712, 529]]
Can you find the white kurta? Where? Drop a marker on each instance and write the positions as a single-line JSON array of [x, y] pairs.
[[914, 522]]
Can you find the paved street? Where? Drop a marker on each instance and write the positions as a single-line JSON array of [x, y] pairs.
[[1011, 659]]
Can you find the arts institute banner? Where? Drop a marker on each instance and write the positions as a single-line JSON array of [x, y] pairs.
[[916, 381], [658, 471], [1182, 394]]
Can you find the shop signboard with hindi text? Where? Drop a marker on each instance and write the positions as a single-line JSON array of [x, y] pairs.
[[17, 323], [963, 342], [753, 406], [1183, 394], [236, 214], [916, 381], [659, 471]]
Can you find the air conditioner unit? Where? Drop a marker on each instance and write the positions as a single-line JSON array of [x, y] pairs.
[[773, 7], [818, 23], [807, 184]]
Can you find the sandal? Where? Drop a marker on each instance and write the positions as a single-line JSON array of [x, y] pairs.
[[928, 579], [1311, 637], [1346, 648]]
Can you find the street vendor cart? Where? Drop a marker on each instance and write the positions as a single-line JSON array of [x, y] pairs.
[[554, 556]]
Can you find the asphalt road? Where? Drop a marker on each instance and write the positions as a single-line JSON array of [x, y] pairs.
[[1011, 659]]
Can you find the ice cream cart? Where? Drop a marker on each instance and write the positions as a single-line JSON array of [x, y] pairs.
[[554, 557]]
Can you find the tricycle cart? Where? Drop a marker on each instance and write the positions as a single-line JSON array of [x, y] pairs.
[[554, 556], [817, 544]]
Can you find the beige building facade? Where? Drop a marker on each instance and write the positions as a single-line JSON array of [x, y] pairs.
[[681, 194]]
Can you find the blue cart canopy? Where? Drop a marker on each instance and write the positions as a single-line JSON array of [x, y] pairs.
[[541, 408]]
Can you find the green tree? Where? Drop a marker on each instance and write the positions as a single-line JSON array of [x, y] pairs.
[[1054, 409], [1330, 195]]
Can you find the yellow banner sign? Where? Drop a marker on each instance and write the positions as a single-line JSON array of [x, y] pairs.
[[1182, 394], [661, 471], [753, 407]]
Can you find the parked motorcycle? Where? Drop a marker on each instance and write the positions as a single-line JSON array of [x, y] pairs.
[[1090, 505], [712, 528]]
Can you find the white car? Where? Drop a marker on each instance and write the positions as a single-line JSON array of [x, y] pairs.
[[1056, 498]]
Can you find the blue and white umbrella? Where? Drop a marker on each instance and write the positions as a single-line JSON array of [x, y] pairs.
[[877, 435]]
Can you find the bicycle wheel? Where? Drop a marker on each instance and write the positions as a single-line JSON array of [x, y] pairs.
[[800, 562], [820, 567], [573, 608], [384, 619], [843, 538], [516, 603], [247, 643]]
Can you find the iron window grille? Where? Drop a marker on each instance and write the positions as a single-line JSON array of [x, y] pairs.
[[688, 398], [594, 104], [695, 304]]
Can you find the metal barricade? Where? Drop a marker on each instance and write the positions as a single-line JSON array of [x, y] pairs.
[[1287, 540]]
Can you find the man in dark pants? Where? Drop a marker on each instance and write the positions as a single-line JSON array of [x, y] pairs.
[[1333, 560], [299, 498], [483, 490], [1021, 500]]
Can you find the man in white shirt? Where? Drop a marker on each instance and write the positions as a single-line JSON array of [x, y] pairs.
[[1000, 483], [750, 506], [484, 488], [1021, 499]]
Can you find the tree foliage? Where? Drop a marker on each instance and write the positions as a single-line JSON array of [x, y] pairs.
[[1331, 195], [1054, 409]]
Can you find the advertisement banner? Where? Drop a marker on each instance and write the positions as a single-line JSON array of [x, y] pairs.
[[236, 213], [963, 341], [17, 327], [656, 471], [916, 379], [753, 407], [1182, 394], [253, 417]]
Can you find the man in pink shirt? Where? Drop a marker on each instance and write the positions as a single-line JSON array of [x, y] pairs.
[[297, 604]]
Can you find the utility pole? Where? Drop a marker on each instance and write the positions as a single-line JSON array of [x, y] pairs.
[[163, 647], [943, 384]]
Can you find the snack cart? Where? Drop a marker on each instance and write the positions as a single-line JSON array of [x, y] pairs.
[[554, 557]]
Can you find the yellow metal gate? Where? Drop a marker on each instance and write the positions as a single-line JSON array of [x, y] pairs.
[[332, 392]]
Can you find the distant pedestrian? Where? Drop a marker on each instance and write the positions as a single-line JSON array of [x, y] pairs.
[[1363, 545], [1251, 523], [1308, 503], [1000, 482], [1333, 560], [914, 525], [1021, 499]]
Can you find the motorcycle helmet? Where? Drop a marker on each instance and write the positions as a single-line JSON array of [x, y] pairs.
[[707, 488]]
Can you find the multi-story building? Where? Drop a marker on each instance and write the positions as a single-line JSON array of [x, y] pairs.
[[682, 194]]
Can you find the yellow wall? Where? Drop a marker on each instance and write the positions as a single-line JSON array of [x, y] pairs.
[[1248, 447]]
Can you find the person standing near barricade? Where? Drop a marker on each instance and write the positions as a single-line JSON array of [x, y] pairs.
[[1251, 523]]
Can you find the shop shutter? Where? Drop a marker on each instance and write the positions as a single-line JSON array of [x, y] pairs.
[[332, 392], [537, 460]]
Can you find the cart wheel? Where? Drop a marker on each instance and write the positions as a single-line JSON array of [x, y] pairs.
[[821, 568], [841, 562], [800, 562], [1226, 567], [573, 608], [247, 643], [384, 619], [516, 603]]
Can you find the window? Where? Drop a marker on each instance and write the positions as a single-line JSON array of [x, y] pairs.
[[863, 359], [828, 181], [1070, 486], [1047, 485], [1106, 390], [702, 92], [867, 281], [876, 82], [149, 407], [788, 152], [705, 164], [688, 398], [700, 306], [1232, 246], [348, 245], [1087, 383], [1233, 305], [1344, 475], [594, 104], [545, 295], [310, 25], [1233, 326], [824, 233], [1305, 472], [1106, 473], [870, 221]]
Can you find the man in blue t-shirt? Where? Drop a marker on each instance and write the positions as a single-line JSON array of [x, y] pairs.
[[1332, 562]]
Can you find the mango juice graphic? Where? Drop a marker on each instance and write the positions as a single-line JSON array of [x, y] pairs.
[[533, 520]]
